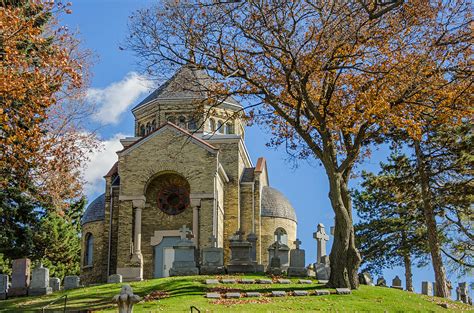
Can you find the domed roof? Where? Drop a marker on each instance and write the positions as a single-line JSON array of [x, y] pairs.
[[95, 211], [275, 204]]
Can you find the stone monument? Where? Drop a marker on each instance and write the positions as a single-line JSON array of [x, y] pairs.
[[3, 286], [184, 263], [240, 260], [126, 299], [212, 259], [55, 283], [463, 291], [321, 238], [427, 288], [275, 267], [381, 282], [322, 266], [71, 282], [365, 279], [397, 283], [297, 261], [114, 279], [252, 238], [20, 277], [40, 282]]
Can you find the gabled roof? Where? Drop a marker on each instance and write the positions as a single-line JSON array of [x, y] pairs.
[[172, 126], [187, 83]]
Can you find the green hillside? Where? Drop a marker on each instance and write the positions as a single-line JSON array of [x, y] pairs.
[[179, 293]]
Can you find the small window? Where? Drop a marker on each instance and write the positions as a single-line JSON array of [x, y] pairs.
[[89, 250], [192, 124], [281, 236], [229, 128], [182, 122], [219, 127], [212, 125]]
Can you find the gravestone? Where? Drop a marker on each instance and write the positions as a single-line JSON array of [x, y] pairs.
[[232, 295], [282, 253], [265, 281], [321, 237], [365, 279], [299, 293], [463, 292], [323, 269], [253, 294], [184, 255], [343, 291], [40, 282], [297, 261], [275, 262], [212, 281], [381, 282], [3, 286], [247, 281], [126, 299], [321, 292], [20, 278], [305, 281], [278, 293], [213, 295], [240, 260], [252, 238], [114, 279], [55, 283], [212, 259], [229, 281], [397, 283], [284, 281], [427, 288], [71, 282]]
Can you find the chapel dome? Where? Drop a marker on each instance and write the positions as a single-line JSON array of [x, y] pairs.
[[95, 211], [275, 204]]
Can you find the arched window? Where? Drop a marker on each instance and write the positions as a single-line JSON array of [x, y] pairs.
[[148, 128], [88, 255], [182, 122], [229, 128], [142, 130], [281, 236], [153, 125], [192, 124], [219, 127], [212, 125]]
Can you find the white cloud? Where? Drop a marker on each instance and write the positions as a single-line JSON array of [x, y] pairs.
[[100, 163], [116, 98]]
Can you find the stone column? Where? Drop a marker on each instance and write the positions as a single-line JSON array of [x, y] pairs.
[[137, 240], [196, 205]]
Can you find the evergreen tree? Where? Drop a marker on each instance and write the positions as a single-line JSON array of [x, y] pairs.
[[391, 232], [57, 241]]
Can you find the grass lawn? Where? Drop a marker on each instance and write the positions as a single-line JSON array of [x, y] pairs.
[[177, 294]]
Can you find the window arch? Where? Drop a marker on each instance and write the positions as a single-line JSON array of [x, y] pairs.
[[229, 128], [153, 125], [212, 125], [219, 127], [281, 236], [89, 251], [171, 119]]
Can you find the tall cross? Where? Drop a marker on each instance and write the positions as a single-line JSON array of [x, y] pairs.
[[241, 234], [279, 234], [297, 243], [213, 241], [184, 231], [322, 238]]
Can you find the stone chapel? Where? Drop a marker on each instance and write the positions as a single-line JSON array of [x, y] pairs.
[[187, 165]]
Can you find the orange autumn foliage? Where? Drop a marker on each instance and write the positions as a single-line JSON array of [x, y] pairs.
[[42, 76]]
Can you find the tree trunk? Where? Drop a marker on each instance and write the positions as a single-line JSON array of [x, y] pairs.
[[344, 257], [430, 221], [408, 274]]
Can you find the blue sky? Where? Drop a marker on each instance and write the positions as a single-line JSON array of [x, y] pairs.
[[117, 87]]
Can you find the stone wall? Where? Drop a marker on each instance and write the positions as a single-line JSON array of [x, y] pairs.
[[269, 225], [97, 272]]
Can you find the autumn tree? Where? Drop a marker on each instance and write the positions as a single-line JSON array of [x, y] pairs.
[[42, 140], [327, 77], [391, 231]]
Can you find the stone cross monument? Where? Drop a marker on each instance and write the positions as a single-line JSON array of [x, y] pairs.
[[322, 238], [183, 231]]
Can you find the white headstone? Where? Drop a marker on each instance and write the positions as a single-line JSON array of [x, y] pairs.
[[71, 282], [321, 238], [55, 283], [39, 282], [427, 288], [114, 279]]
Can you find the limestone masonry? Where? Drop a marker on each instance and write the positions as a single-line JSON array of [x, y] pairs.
[[186, 166]]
